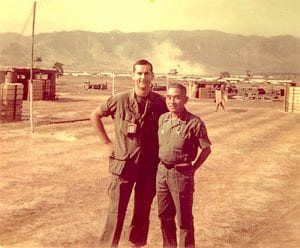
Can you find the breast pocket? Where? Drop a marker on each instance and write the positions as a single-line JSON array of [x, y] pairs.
[[180, 140], [163, 136], [127, 127]]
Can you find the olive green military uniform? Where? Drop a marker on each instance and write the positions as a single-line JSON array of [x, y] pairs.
[[179, 141], [133, 163]]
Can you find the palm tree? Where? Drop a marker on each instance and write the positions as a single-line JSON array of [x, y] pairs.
[[224, 74], [59, 68]]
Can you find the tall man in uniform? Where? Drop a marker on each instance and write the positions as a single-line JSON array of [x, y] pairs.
[[134, 154], [180, 135]]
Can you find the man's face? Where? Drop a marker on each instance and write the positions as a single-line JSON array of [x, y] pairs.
[[143, 76], [175, 100]]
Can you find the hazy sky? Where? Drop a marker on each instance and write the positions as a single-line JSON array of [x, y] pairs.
[[258, 17]]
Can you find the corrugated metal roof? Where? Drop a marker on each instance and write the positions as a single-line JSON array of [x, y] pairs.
[[15, 68]]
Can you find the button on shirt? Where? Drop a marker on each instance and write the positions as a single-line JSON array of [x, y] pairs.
[[179, 139]]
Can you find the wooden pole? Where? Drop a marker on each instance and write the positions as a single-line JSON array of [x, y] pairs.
[[31, 71], [113, 84], [293, 99], [286, 97], [167, 82]]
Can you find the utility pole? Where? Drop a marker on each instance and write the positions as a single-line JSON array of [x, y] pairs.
[[113, 84], [31, 70]]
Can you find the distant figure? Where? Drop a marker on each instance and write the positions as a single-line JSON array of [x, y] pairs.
[[220, 96], [134, 154], [87, 85]]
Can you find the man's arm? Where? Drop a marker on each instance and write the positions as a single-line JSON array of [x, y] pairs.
[[202, 157], [97, 123]]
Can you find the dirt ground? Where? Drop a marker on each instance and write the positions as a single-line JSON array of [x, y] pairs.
[[53, 186]]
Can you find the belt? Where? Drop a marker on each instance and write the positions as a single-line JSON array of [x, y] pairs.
[[173, 165]]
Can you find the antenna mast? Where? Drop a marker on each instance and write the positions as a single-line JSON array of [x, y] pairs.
[[31, 70]]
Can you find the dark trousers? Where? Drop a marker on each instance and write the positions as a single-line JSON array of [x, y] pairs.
[[175, 188], [119, 193]]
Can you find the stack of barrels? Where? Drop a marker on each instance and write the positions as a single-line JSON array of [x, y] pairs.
[[11, 97], [207, 92], [37, 89], [195, 90], [42, 89]]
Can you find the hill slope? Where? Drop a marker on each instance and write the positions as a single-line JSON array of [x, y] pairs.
[[188, 51]]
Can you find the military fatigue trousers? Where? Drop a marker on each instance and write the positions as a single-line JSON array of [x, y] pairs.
[[175, 188], [119, 193]]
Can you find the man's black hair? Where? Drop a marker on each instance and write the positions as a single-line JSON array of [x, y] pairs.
[[178, 86], [142, 62]]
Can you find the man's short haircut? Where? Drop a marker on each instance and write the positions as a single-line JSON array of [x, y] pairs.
[[142, 62], [178, 86]]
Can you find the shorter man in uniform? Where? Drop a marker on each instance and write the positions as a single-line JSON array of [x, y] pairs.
[[180, 135]]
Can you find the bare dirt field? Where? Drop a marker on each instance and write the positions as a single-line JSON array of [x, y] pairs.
[[54, 181]]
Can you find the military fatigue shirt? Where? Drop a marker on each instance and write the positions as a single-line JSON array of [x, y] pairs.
[[136, 138], [179, 139]]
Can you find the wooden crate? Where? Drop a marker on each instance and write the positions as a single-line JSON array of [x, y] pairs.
[[206, 93], [293, 99], [37, 89], [11, 98]]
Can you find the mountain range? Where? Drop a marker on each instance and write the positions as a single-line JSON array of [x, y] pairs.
[[189, 52]]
